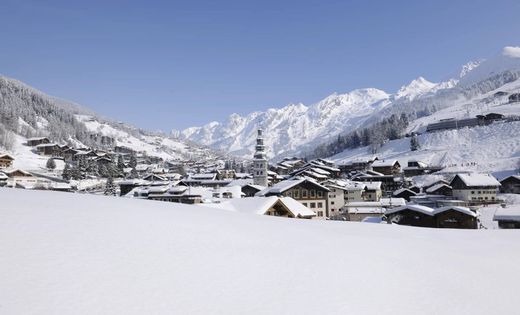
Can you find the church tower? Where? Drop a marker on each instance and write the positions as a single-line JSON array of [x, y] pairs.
[[260, 161]]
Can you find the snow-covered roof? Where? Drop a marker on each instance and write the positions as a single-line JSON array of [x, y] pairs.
[[285, 185], [366, 210], [418, 208], [508, 214], [517, 177], [402, 190], [44, 145], [6, 156], [436, 187], [373, 185], [3, 176], [477, 179], [458, 209], [208, 176], [260, 205], [384, 163]]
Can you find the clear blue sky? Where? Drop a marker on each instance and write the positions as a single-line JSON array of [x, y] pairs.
[[174, 64]]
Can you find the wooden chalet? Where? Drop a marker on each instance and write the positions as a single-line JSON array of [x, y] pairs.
[[453, 217], [509, 185], [387, 167], [32, 142], [6, 160]]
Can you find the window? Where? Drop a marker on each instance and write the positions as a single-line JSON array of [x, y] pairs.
[[304, 203], [313, 193], [304, 193], [320, 205], [332, 202], [320, 213], [320, 194], [472, 192], [313, 205], [296, 194]]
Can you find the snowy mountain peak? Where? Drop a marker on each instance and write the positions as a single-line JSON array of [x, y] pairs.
[[508, 61], [469, 66], [416, 88]]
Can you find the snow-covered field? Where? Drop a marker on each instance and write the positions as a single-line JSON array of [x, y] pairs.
[[66, 253]]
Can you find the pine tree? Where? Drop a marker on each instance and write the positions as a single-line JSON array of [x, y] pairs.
[[66, 172], [414, 143], [110, 188], [51, 164]]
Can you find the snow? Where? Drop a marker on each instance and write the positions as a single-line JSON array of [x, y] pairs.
[[64, 253], [511, 213], [476, 180]]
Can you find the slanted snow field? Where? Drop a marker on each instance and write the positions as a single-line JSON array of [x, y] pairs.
[[66, 253]]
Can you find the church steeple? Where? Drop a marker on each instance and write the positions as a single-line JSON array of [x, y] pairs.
[[260, 161]]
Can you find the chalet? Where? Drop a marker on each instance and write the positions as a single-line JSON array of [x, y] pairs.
[[3, 179], [509, 185], [250, 190], [389, 183], [273, 206], [126, 186], [404, 193], [155, 178], [49, 149], [508, 218], [421, 216], [417, 168], [6, 160], [178, 194], [357, 165], [387, 167], [440, 189], [437, 182], [359, 211], [20, 178], [32, 142], [415, 189], [103, 160], [477, 188], [372, 191], [305, 190]]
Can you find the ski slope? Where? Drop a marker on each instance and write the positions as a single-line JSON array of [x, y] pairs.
[[64, 253]]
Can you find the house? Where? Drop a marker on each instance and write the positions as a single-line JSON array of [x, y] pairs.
[[32, 142], [474, 187], [416, 168], [509, 185], [404, 193], [372, 191], [6, 160], [422, 216], [440, 189], [305, 190], [21, 178], [387, 167], [48, 149], [508, 218], [360, 210], [272, 206], [250, 190], [359, 164]]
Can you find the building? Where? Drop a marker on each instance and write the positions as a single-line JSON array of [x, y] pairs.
[[422, 216], [360, 210], [404, 193], [474, 187], [32, 142], [508, 218], [273, 206], [6, 160], [416, 168], [260, 161], [509, 185], [49, 149], [305, 190], [387, 167]]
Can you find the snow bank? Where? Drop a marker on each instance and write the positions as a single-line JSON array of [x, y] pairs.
[[66, 253]]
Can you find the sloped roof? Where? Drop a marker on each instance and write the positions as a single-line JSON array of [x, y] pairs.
[[418, 208], [508, 214], [456, 208], [477, 179], [260, 205], [436, 187]]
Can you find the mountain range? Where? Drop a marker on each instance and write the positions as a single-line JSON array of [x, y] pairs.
[[297, 128]]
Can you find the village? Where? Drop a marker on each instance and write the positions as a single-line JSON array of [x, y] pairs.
[[369, 190]]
